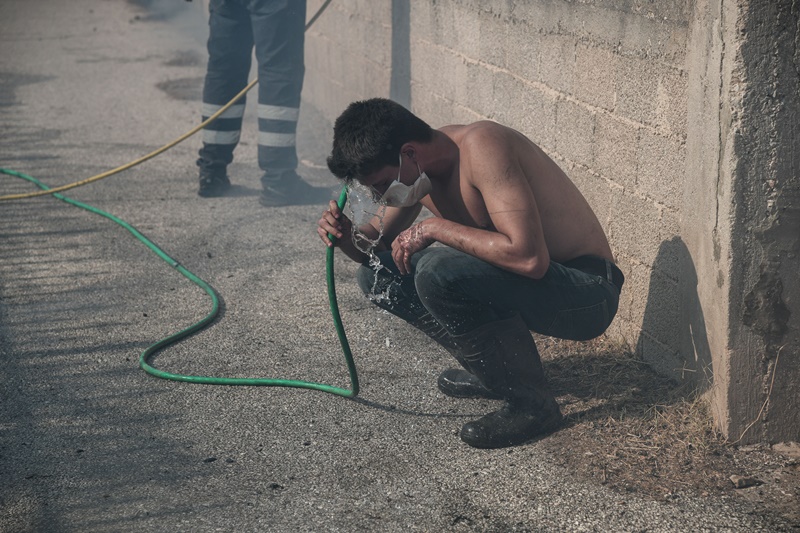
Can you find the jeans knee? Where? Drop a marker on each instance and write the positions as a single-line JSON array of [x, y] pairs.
[[434, 274]]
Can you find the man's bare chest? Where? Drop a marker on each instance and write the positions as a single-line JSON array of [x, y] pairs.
[[461, 203]]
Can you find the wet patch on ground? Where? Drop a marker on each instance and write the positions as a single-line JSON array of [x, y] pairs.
[[11, 81], [190, 89], [155, 10], [115, 60], [185, 58]]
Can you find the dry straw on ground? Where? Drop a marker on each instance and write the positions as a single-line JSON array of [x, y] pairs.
[[637, 432]]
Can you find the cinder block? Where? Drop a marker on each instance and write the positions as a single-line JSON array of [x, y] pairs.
[[664, 359], [439, 70], [616, 143], [575, 124], [652, 93], [661, 168], [631, 32], [597, 192], [479, 93], [636, 89], [522, 48], [671, 105], [536, 117], [673, 257], [493, 30], [594, 76], [376, 45], [634, 291], [463, 115], [370, 10], [557, 62], [438, 111], [438, 24], [623, 333], [549, 17], [431, 107], [507, 90], [662, 316], [635, 227], [467, 31], [428, 68]]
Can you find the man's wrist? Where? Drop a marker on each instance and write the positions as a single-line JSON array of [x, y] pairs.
[[428, 229]]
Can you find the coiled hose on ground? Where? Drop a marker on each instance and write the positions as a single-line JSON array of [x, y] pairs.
[[175, 337], [145, 356]]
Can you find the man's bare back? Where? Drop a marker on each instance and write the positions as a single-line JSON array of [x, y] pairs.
[[570, 227]]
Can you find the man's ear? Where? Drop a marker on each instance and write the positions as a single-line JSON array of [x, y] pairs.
[[409, 150]]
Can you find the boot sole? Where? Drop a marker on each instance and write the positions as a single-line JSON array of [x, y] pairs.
[[550, 425]]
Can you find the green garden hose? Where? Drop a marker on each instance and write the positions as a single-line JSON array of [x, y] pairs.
[[175, 337]]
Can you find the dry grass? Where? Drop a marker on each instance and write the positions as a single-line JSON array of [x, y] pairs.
[[635, 431]]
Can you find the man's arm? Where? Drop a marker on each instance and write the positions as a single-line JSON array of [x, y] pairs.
[[516, 243]]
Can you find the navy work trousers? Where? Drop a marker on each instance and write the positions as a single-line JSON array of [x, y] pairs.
[[276, 29]]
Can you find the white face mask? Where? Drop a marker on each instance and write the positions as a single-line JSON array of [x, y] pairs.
[[399, 194]]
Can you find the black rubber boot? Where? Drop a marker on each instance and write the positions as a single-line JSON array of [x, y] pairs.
[[503, 356]]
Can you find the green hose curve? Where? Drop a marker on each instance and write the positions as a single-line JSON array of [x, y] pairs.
[[175, 337]]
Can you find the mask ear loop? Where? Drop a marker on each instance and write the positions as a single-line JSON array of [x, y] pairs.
[[400, 166], [419, 170]]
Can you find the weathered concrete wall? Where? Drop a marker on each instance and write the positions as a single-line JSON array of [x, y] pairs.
[[678, 121], [765, 227]]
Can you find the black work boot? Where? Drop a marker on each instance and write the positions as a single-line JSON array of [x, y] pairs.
[[503, 356], [213, 182], [287, 188]]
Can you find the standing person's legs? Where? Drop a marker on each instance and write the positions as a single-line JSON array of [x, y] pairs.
[[230, 47], [278, 30], [279, 34]]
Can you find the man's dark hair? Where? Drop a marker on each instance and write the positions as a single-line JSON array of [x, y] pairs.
[[368, 135]]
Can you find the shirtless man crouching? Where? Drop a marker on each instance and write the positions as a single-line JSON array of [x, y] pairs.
[[522, 251]]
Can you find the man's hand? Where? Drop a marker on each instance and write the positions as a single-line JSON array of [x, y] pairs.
[[335, 222], [408, 243]]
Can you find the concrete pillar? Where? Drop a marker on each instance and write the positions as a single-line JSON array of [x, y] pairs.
[[741, 214]]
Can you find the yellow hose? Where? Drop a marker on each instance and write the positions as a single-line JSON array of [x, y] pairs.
[[164, 148], [137, 161]]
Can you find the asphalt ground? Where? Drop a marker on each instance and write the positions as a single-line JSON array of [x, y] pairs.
[[91, 443]]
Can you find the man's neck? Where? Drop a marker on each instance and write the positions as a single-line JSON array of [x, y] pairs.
[[441, 157]]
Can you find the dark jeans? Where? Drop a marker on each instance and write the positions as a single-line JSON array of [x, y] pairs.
[[576, 300]]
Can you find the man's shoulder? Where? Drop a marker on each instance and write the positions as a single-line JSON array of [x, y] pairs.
[[481, 134], [484, 127]]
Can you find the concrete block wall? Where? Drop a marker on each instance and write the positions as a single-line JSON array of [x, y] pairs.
[[348, 53], [626, 97]]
